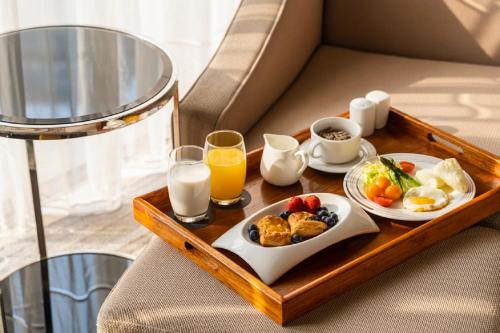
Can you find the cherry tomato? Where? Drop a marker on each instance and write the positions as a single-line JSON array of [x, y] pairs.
[[393, 192], [383, 182], [406, 166], [384, 202], [373, 191]]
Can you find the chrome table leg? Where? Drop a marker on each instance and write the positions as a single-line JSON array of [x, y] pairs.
[[40, 232], [176, 138]]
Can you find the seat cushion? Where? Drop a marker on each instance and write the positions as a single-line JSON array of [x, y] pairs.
[[453, 286], [463, 99]]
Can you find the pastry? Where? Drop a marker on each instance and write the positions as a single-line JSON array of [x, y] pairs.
[[296, 217], [274, 231], [302, 225]]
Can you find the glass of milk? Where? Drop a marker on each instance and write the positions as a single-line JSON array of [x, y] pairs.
[[188, 183]]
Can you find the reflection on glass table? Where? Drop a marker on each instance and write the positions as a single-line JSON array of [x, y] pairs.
[[68, 301]]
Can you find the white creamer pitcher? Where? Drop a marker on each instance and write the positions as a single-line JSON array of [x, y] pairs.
[[282, 162]]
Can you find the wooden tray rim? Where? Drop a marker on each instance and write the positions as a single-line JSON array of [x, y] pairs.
[[492, 166]]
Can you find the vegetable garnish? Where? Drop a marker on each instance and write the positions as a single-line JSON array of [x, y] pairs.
[[404, 180], [385, 181], [384, 202], [406, 166]]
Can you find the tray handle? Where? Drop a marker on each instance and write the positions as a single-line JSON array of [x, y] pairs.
[[444, 140], [445, 143], [191, 250]]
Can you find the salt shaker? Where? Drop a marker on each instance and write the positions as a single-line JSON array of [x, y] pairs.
[[362, 111], [382, 102]]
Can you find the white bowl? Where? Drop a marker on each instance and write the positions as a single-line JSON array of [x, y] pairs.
[[272, 262]]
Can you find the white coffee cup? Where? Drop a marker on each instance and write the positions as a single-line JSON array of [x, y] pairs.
[[335, 151]]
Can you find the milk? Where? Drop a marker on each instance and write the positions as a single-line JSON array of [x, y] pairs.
[[189, 189]]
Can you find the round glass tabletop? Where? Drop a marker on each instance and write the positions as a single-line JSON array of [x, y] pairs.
[[62, 75]]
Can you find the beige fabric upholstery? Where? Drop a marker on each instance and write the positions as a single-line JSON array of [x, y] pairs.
[[492, 222], [463, 99], [454, 30], [249, 70], [452, 287]]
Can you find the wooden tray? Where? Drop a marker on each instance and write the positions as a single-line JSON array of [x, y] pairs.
[[343, 265]]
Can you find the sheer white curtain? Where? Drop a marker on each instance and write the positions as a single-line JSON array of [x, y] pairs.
[[84, 176]]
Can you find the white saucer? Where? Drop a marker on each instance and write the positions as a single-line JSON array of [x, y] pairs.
[[366, 152]]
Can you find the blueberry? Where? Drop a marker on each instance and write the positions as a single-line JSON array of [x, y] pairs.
[[334, 215], [330, 222], [254, 235], [284, 215], [296, 239], [322, 213], [324, 218], [252, 227], [323, 208]]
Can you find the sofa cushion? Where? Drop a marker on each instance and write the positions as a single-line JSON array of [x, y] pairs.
[[463, 99], [466, 31], [453, 287]]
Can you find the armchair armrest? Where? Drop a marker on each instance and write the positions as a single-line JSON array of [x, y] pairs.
[[265, 47]]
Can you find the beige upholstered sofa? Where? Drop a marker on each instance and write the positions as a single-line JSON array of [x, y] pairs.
[[285, 63]]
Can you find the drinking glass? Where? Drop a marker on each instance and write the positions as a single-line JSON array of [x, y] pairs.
[[188, 183], [226, 157]]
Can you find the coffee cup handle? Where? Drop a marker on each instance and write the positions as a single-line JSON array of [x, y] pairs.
[[305, 161], [312, 148]]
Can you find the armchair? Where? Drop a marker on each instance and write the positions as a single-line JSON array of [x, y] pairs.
[[285, 63]]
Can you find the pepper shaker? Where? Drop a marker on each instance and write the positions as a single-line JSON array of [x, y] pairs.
[[382, 102], [362, 111]]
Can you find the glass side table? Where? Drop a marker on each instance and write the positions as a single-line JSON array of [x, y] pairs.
[[79, 283], [62, 82]]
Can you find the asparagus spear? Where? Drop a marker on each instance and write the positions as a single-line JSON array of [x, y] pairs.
[[404, 180], [395, 179]]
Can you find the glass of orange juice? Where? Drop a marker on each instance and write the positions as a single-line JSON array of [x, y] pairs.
[[226, 157]]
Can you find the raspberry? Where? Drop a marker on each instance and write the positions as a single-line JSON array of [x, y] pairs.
[[312, 203], [295, 205]]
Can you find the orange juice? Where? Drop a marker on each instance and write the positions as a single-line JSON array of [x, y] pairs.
[[228, 169]]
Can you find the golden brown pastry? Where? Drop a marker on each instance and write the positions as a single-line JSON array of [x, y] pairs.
[[296, 217], [274, 231], [300, 225]]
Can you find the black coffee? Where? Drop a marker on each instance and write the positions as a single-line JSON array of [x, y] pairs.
[[331, 133]]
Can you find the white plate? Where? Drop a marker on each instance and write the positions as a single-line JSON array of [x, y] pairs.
[[272, 262], [366, 152], [353, 187]]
